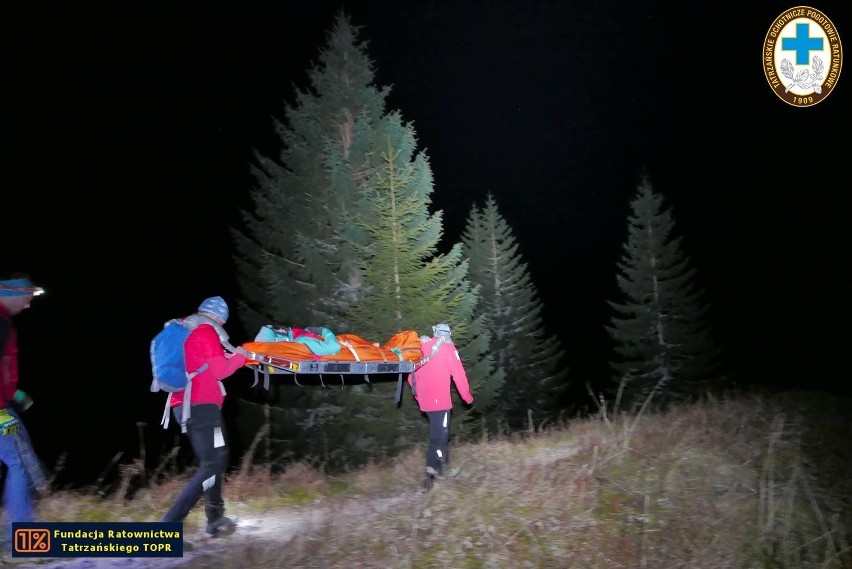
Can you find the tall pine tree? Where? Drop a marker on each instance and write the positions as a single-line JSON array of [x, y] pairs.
[[405, 281], [662, 338], [531, 360], [292, 263], [292, 260], [340, 236]]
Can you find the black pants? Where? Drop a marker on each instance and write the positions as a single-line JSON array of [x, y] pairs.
[[438, 453], [206, 433]]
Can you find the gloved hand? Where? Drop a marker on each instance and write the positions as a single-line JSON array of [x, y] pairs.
[[241, 350], [22, 401]]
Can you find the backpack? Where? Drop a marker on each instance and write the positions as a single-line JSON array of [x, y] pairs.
[[168, 367]]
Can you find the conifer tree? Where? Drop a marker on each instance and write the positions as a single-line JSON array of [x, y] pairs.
[[292, 263], [531, 360], [340, 237], [662, 339], [407, 283]]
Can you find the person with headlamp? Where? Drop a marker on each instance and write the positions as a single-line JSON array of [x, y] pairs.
[[23, 469]]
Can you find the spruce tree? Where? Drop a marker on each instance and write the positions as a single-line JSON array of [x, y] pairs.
[[340, 237], [531, 360], [406, 281], [660, 331], [292, 263]]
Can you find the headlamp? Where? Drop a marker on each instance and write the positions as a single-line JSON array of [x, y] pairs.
[[19, 287]]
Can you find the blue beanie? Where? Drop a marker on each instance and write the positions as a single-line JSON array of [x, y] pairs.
[[216, 306], [19, 287]]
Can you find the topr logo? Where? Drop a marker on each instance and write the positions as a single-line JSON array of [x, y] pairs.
[[802, 56]]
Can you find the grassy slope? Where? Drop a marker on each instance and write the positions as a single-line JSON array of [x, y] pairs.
[[757, 481]]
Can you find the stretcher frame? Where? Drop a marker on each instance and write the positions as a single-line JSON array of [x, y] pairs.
[[275, 365]]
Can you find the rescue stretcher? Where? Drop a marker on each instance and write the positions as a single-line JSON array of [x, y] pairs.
[[358, 360]]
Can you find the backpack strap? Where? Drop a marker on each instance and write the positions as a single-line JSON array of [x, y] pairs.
[[187, 403], [186, 409], [435, 348], [164, 421], [438, 343], [187, 397]]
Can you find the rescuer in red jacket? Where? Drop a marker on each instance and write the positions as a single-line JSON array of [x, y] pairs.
[[205, 426], [431, 387]]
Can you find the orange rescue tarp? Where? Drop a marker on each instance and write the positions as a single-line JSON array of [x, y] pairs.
[[352, 348]]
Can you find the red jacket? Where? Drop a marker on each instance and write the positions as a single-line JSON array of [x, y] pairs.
[[431, 382], [203, 346], [8, 358]]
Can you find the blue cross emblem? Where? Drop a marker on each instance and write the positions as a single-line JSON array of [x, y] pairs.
[[802, 44]]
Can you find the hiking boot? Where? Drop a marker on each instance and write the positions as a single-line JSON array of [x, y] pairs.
[[426, 485], [446, 471], [222, 526], [450, 471]]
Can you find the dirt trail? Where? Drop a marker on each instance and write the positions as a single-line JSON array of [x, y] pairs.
[[282, 525], [273, 526]]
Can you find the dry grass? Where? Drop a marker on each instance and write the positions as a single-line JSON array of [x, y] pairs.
[[748, 482]]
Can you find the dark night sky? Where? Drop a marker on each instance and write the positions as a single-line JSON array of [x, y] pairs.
[[130, 132]]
